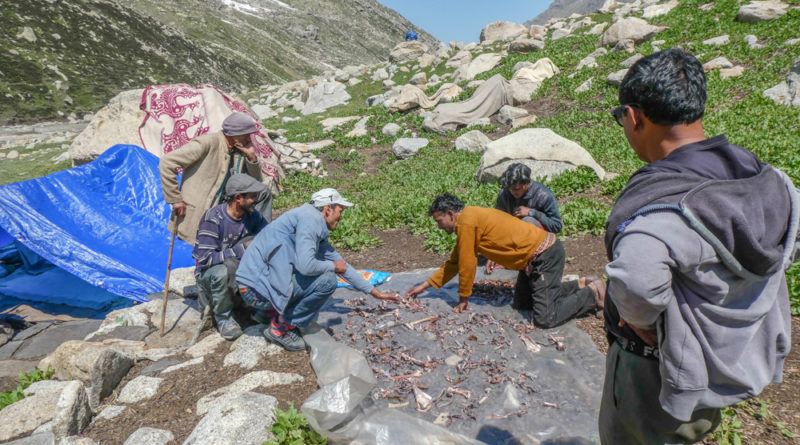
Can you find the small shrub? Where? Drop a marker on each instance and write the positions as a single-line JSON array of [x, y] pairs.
[[24, 380], [291, 428]]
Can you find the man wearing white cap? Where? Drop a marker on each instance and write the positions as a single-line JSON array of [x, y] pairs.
[[291, 268], [207, 162]]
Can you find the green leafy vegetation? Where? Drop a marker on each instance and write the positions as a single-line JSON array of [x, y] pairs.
[[291, 428], [731, 428], [583, 215], [793, 282], [24, 380]]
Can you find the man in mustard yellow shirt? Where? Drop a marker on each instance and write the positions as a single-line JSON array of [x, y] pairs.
[[517, 245]]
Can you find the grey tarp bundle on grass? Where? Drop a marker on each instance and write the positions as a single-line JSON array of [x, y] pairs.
[[484, 102], [515, 395]]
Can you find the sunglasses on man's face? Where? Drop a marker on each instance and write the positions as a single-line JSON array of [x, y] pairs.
[[620, 111]]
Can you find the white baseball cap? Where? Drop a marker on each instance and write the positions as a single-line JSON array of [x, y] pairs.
[[329, 196]]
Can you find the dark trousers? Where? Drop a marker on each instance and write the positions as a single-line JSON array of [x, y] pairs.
[[553, 303], [630, 412]]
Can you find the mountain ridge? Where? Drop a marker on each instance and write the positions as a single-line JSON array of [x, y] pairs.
[[71, 56]]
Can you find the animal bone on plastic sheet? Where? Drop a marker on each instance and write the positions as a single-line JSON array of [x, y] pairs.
[[342, 411]]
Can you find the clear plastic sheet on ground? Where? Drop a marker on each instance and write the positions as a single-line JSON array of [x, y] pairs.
[[405, 373]]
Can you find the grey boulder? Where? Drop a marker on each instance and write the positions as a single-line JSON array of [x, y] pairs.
[[788, 91], [755, 12], [241, 420], [545, 152], [473, 141], [404, 148]]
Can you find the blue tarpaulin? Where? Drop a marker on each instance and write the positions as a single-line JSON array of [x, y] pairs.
[[90, 234]]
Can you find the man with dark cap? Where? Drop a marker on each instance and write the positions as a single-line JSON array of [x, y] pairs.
[[207, 162], [224, 232]]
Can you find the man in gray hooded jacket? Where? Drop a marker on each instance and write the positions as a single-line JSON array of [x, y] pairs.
[[697, 310]]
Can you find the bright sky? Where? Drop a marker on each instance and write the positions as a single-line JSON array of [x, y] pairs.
[[463, 20]]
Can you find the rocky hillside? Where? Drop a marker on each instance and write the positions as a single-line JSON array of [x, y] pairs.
[[72, 56], [565, 8]]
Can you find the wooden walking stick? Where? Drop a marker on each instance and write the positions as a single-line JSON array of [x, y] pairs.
[[169, 266]]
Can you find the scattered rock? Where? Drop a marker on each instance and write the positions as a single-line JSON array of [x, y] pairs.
[[752, 41], [100, 365], [585, 86], [631, 60], [380, 74], [248, 349], [626, 45], [473, 141], [206, 346], [335, 122], [13, 154], [138, 389], [560, 34], [543, 150], [525, 46], [503, 31], [375, 100], [717, 63], [615, 78], [523, 121], [354, 81], [149, 436], [72, 412], [249, 382], [659, 10], [719, 40], [407, 51], [480, 64], [755, 12], [537, 32], [360, 129], [419, 79], [427, 60], [586, 62], [404, 148], [27, 34], [736, 71], [111, 411], [462, 57], [597, 29], [244, 419], [391, 129], [788, 91], [37, 408], [630, 28], [507, 114], [325, 95], [706, 6], [60, 408], [791, 42], [192, 362], [263, 111]]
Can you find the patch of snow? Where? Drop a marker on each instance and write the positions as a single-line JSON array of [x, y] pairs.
[[280, 3]]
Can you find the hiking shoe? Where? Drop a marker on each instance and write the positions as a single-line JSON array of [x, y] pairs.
[[229, 329], [289, 340]]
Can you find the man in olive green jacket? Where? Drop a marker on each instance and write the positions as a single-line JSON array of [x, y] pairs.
[[207, 162]]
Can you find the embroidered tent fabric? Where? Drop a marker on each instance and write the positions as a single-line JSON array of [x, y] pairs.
[[176, 114]]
